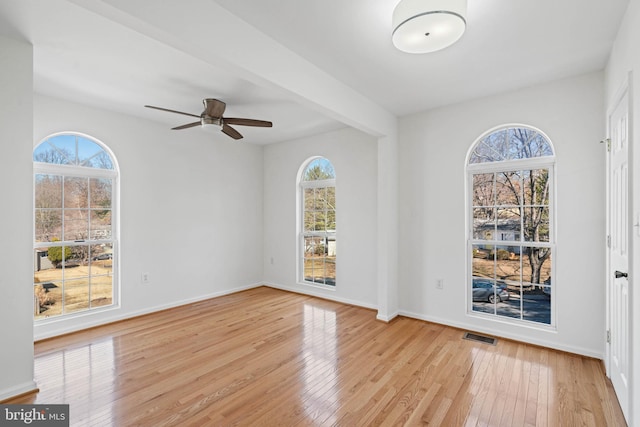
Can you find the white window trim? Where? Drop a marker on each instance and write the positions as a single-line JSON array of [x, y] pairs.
[[301, 185], [545, 162], [84, 171]]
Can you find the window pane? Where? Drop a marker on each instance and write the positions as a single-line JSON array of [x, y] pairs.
[[101, 291], [101, 263], [101, 257], [483, 189], [508, 267], [101, 160], [330, 271], [320, 198], [508, 188], [482, 262], [48, 225], [47, 299], [76, 265], [76, 224], [331, 220], [491, 149], [47, 153], [76, 295], [55, 256], [88, 151], [101, 224], [76, 193], [484, 223], [101, 190], [308, 269], [484, 295], [48, 207], [48, 191], [508, 227], [309, 221], [64, 145], [536, 308], [308, 199], [536, 265], [320, 221], [331, 198], [319, 169], [536, 224], [536, 187], [537, 286]]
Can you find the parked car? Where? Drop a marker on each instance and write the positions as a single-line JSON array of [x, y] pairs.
[[486, 290], [103, 257]]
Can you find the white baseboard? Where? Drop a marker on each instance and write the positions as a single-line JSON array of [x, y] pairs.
[[313, 293], [91, 320], [387, 319], [498, 333], [17, 390]]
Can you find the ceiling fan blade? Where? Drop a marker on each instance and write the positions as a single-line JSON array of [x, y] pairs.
[[231, 131], [247, 122], [188, 125], [214, 107], [171, 111]]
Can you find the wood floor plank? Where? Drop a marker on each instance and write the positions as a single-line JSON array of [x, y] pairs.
[[269, 357]]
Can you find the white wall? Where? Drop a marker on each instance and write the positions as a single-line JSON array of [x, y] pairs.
[[433, 149], [16, 279], [190, 209], [625, 58], [354, 157]]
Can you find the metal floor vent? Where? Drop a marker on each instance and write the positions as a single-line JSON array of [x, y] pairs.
[[480, 338]]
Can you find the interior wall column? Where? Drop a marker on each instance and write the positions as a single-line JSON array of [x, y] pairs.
[[16, 193], [387, 256]]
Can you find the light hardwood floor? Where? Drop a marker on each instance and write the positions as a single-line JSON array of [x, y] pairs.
[[268, 357]]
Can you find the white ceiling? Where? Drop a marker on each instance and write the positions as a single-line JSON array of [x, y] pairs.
[[123, 54]]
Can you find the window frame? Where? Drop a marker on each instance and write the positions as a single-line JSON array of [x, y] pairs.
[[302, 185], [85, 172], [547, 162]]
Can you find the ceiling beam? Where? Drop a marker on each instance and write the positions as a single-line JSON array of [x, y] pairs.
[[207, 31]]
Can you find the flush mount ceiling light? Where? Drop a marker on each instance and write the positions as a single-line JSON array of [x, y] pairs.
[[421, 26]]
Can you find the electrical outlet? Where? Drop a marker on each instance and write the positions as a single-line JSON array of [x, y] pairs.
[[145, 278], [271, 260], [439, 284]]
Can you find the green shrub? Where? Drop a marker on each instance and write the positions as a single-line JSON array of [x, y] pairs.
[[55, 253]]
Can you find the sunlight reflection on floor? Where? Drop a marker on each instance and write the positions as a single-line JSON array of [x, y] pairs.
[[320, 394]]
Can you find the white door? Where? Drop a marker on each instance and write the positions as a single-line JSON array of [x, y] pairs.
[[618, 263]]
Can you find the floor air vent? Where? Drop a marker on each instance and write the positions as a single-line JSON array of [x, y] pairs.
[[480, 338]]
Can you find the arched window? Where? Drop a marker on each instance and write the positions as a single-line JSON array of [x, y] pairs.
[[75, 246], [510, 179], [317, 223]]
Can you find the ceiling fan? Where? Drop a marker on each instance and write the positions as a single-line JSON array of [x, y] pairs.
[[212, 115]]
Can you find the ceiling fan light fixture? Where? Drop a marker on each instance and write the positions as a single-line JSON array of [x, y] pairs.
[[422, 26]]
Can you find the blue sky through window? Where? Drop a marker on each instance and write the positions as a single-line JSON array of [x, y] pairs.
[[70, 149]]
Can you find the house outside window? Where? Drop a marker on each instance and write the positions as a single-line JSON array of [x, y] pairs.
[[317, 223], [75, 234], [511, 235]]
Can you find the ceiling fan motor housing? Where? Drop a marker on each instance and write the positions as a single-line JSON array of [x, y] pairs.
[[208, 120]]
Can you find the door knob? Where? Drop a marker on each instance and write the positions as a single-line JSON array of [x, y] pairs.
[[620, 274]]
